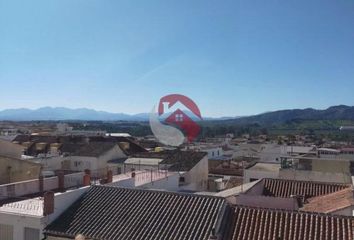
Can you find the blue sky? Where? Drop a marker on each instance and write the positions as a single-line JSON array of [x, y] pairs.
[[232, 57]]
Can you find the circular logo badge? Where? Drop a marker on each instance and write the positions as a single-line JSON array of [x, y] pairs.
[[175, 120]]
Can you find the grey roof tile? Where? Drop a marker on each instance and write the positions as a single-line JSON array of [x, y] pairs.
[[110, 213]]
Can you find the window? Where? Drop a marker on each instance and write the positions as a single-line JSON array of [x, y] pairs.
[[179, 117], [31, 234], [6, 232], [77, 163]]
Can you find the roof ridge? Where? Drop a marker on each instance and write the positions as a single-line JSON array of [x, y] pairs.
[[292, 211], [158, 191], [309, 181]]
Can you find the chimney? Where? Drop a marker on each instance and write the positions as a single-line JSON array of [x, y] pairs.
[[80, 237], [61, 185], [165, 107], [298, 201], [87, 180], [88, 171], [109, 176], [48, 206]]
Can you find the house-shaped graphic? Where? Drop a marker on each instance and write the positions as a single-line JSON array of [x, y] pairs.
[[181, 109], [182, 117]]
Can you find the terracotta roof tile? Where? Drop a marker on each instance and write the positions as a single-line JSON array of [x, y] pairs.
[[77, 145], [91, 149], [331, 202], [286, 188], [257, 223]]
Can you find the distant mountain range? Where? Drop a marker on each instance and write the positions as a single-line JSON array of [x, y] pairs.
[[340, 112], [62, 113]]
